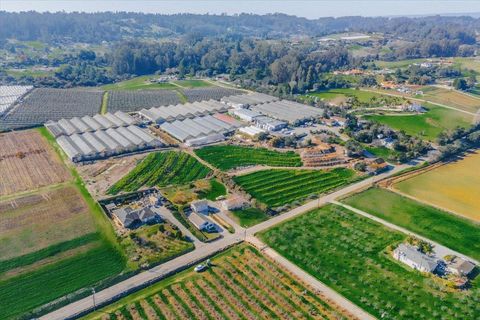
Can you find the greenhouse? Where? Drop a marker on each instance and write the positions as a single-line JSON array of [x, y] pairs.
[[199, 127]]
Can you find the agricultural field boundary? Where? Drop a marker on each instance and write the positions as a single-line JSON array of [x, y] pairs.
[[441, 249]]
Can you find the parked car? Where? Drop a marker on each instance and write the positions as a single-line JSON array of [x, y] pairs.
[[200, 268]]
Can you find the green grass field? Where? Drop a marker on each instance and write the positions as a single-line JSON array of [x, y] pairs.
[[452, 231], [226, 157], [161, 169], [25, 292], [427, 125], [363, 96], [241, 284], [249, 217], [382, 152], [138, 83], [192, 83], [349, 253], [216, 190], [278, 187]]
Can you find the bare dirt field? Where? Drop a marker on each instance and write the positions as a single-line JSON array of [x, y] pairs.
[[27, 162], [101, 175], [453, 187], [36, 221]]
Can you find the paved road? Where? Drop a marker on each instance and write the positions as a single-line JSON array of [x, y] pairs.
[[203, 251], [440, 250], [142, 279]]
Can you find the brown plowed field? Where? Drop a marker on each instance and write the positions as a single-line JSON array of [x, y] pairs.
[[27, 162], [33, 222]]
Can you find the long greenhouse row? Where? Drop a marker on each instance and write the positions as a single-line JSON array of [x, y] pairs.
[[182, 111], [89, 124], [106, 143], [201, 127], [250, 99], [289, 111]]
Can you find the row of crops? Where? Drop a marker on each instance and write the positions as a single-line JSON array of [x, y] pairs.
[[161, 169], [227, 157], [129, 101], [45, 104], [278, 187], [350, 254], [241, 285], [215, 93]]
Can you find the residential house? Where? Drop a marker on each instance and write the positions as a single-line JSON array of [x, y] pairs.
[[201, 223], [128, 217], [460, 267], [414, 258], [388, 142], [376, 166], [200, 206]]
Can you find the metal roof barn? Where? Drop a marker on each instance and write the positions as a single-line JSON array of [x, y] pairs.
[[67, 127], [80, 125], [82, 145], [92, 123], [103, 121], [94, 142], [130, 136], [108, 141], [69, 148], [175, 131], [121, 140], [126, 118], [113, 119]]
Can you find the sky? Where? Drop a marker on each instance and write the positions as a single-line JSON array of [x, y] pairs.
[[303, 8]]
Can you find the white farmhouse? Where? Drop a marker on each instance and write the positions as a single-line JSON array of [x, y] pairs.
[[414, 258]]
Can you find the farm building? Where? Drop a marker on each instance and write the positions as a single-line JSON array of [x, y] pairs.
[[213, 138], [245, 114], [89, 124], [414, 258], [200, 206], [198, 127], [9, 95], [376, 166], [251, 131], [460, 267], [101, 144], [269, 124], [289, 111], [182, 111], [130, 218], [245, 100], [201, 223], [323, 154]]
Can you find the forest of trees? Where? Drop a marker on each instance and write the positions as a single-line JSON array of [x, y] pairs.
[[254, 49]]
